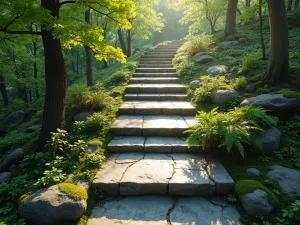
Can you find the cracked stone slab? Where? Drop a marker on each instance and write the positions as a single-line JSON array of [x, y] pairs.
[[127, 144], [200, 211], [142, 210]]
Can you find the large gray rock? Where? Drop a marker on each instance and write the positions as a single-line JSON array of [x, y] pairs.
[[256, 202], [82, 116], [14, 119], [50, 206], [32, 129], [252, 172], [270, 140], [4, 177], [223, 97], [13, 158], [275, 102], [288, 179], [227, 44], [216, 70], [194, 84], [199, 58]]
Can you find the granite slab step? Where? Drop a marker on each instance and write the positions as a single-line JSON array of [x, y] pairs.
[[121, 144], [157, 108], [160, 54], [155, 88], [155, 70], [154, 80], [155, 75], [158, 97], [176, 174], [158, 125], [157, 65], [159, 62]]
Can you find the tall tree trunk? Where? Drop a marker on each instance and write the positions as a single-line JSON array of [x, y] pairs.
[[262, 41], [122, 41], [230, 26], [248, 3], [56, 79], [278, 69], [290, 4], [30, 95], [296, 4], [35, 70], [3, 89], [73, 61], [128, 43], [88, 55], [105, 64]]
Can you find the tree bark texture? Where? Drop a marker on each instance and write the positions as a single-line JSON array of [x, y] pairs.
[[3, 90], [230, 26], [262, 41], [122, 41], [88, 55], [290, 4]]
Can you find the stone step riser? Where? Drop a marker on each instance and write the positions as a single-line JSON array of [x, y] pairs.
[[153, 149], [154, 81], [155, 90], [155, 65], [129, 97], [159, 55], [157, 111], [162, 132], [155, 70], [156, 62], [154, 58], [162, 52], [155, 75]]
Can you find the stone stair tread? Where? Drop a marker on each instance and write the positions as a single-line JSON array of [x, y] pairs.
[[155, 88], [157, 107], [155, 85], [179, 97], [151, 144], [154, 80], [155, 75], [173, 174]]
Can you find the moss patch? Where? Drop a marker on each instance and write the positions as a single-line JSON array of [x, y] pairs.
[[24, 197], [75, 192], [287, 93], [95, 142], [247, 186]]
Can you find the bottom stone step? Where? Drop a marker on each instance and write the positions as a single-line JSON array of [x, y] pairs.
[[158, 210], [176, 174]]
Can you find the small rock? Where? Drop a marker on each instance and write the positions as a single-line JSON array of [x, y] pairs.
[[13, 158], [194, 84], [4, 177], [256, 202], [51, 206], [32, 129], [242, 40], [82, 116], [227, 44], [252, 172], [288, 179], [223, 96], [270, 140], [14, 119], [92, 148], [198, 58], [216, 70], [114, 94]]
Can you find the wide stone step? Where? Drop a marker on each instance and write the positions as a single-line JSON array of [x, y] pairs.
[[173, 174], [157, 62], [163, 210], [155, 70], [154, 58], [158, 125], [157, 108], [155, 75], [162, 51], [158, 97], [159, 54], [121, 144], [155, 88], [154, 80], [157, 65]]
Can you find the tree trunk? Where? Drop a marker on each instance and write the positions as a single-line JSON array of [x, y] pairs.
[[73, 61], [122, 41], [296, 4], [25, 94], [56, 79], [230, 27], [128, 43], [105, 64], [248, 3], [35, 70], [290, 4], [262, 41], [3, 90], [88, 55], [278, 69]]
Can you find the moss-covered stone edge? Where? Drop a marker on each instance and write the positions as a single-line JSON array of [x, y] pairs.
[[287, 93], [24, 197], [73, 191], [243, 187]]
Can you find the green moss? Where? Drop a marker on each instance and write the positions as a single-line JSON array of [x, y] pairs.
[[75, 192], [287, 93], [234, 37], [24, 197], [247, 186], [95, 142]]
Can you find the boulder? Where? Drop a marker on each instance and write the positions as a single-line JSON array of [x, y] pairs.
[[227, 44], [288, 179], [242, 40], [275, 102], [4, 177], [216, 70], [13, 158], [194, 84], [256, 202], [32, 129], [14, 119], [223, 97], [82, 116], [270, 140], [198, 58], [92, 148], [252, 172], [51, 206]]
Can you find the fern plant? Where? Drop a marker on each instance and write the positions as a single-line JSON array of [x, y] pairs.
[[231, 130]]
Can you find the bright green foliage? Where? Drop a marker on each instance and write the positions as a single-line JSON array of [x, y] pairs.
[[247, 186], [231, 130], [239, 82], [250, 61], [93, 160], [196, 44], [231, 198], [287, 93], [95, 142], [74, 191]]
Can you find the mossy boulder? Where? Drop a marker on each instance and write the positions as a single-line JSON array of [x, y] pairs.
[[287, 93], [255, 197]]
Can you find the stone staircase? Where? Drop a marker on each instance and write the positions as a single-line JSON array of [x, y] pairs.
[[149, 151]]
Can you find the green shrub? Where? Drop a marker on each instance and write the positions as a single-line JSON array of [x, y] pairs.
[[195, 44], [75, 192], [250, 61], [287, 93], [119, 77], [95, 142], [239, 82], [233, 129]]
